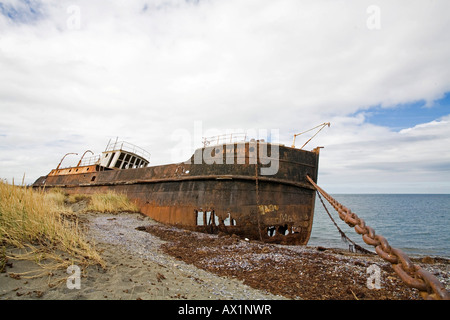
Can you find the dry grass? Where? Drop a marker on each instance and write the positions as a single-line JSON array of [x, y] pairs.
[[41, 224], [44, 226], [111, 202], [3, 259], [74, 198]]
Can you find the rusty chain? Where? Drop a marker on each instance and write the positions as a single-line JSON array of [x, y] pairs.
[[357, 247], [414, 276]]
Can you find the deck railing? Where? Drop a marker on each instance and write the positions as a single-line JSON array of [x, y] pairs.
[[90, 161], [224, 139], [129, 147]]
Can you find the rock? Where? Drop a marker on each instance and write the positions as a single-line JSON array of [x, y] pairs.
[[265, 250], [359, 263], [428, 259]]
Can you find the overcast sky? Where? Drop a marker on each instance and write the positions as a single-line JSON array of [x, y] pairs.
[[74, 74]]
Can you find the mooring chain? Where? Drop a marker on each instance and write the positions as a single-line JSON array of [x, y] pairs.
[[357, 247], [413, 275]]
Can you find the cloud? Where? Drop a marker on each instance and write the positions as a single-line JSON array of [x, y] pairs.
[[72, 79], [382, 160]]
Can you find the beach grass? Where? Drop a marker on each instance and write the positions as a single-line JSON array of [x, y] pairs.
[[43, 225], [111, 202], [3, 259]]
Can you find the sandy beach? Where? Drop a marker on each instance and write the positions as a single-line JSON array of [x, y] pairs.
[[149, 261], [136, 269]]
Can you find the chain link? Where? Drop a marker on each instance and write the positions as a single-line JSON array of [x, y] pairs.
[[413, 275]]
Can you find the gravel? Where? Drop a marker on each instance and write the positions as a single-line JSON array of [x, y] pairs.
[[120, 231]]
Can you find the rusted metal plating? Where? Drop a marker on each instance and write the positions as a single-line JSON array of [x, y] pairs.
[[414, 276]]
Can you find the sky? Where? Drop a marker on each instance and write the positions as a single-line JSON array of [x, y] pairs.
[[75, 74]]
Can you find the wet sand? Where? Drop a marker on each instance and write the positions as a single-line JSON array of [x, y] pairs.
[[157, 262]]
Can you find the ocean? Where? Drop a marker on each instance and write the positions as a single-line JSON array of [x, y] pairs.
[[418, 224]]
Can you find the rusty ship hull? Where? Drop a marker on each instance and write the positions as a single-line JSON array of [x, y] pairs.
[[229, 195]]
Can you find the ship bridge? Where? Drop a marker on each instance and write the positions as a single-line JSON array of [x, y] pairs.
[[124, 155]]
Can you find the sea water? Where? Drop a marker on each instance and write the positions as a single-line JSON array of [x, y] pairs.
[[418, 224]]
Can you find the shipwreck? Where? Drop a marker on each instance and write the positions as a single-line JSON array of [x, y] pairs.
[[254, 189]]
